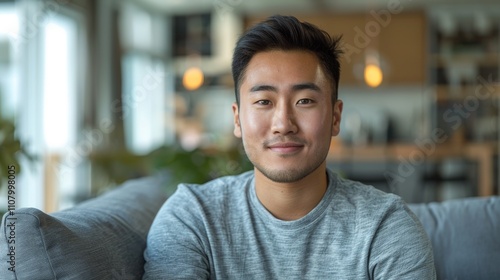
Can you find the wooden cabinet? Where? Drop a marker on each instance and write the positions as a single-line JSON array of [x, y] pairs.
[[399, 38]]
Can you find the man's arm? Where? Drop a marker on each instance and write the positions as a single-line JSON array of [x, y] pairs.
[[175, 243], [401, 249]]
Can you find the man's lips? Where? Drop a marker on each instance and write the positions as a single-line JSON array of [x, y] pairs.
[[286, 147]]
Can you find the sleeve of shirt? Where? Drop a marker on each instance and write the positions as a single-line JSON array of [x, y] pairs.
[[400, 248], [175, 241]]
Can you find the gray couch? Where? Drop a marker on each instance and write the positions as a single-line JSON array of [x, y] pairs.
[[104, 238]]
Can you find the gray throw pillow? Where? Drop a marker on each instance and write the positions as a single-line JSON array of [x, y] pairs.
[[102, 238]]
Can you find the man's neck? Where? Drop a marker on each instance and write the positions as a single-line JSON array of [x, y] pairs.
[[291, 201]]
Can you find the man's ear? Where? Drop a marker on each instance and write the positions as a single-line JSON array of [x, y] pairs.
[[337, 116], [237, 125]]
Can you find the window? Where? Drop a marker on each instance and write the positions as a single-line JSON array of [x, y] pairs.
[[144, 103], [148, 86], [41, 92]]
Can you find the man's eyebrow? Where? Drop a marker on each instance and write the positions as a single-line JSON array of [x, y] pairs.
[[297, 87], [263, 88], [311, 86]]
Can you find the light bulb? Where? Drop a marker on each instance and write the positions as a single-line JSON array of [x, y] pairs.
[[373, 75], [193, 78]]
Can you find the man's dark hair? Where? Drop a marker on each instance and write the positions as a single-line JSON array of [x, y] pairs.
[[287, 33]]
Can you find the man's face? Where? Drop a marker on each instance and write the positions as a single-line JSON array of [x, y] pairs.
[[286, 118]]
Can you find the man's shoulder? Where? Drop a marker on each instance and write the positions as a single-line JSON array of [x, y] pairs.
[[211, 201], [365, 197], [371, 207], [223, 188]]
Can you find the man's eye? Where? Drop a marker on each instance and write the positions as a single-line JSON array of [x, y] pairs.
[[263, 102], [305, 101]]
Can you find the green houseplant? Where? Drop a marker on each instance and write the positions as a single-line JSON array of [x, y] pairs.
[[197, 166], [10, 150], [180, 166]]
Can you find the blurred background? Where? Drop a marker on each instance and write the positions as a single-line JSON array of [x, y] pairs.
[[95, 92]]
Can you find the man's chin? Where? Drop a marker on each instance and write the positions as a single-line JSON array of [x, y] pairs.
[[284, 176]]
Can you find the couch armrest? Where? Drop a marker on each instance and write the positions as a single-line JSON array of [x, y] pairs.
[[465, 235], [102, 238]]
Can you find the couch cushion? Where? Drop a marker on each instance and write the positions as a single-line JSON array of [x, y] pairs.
[[465, 235], [102, 238]]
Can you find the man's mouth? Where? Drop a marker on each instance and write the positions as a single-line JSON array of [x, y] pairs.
[[285, 147]]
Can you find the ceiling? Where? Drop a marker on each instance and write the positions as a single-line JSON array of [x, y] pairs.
[[303, 6]]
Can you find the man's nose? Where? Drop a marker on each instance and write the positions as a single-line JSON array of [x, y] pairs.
[[283, 121]]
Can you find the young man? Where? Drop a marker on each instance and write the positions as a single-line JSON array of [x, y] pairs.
[[290, 218]]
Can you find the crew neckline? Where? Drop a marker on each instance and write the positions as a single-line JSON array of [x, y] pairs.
[[301, 223]]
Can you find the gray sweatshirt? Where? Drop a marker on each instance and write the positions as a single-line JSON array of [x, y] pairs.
[[220, 230]]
